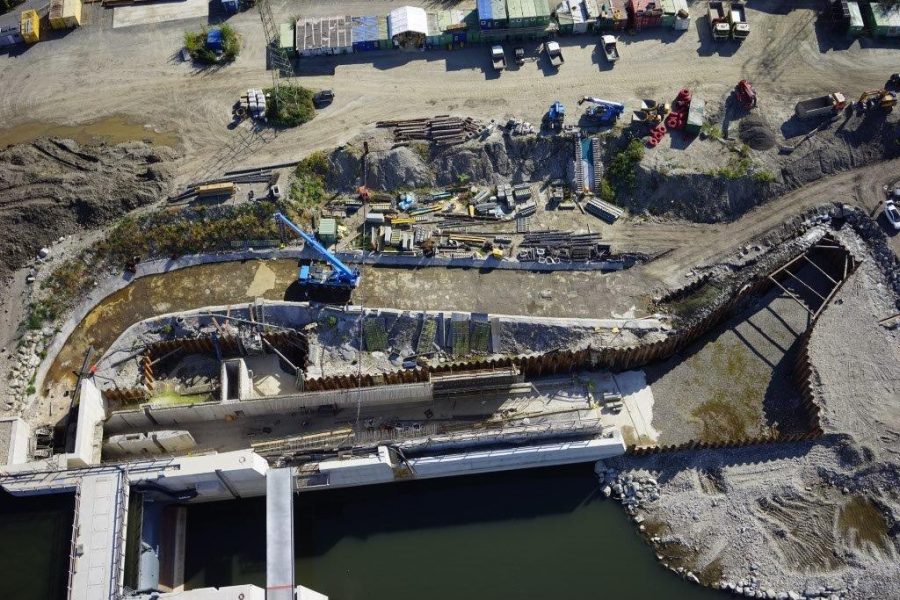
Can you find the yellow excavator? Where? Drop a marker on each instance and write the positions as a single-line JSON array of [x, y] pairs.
[[651, 112], [882, 99]]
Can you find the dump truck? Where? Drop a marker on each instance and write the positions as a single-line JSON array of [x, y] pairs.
[[821, 106], [554, 54], [498, 58], [718, 20], [737, 19], [609, 48]]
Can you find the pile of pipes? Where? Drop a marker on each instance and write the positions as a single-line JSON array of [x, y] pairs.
[[263, 175], [442, 130], [562, 245]]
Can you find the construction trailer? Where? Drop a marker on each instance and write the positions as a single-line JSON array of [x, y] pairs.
[[10, 35], [323, 36], [30, 26], [65, 14], [286, 39], [365, 34]]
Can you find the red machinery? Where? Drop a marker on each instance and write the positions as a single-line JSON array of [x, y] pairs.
[[745, 94]]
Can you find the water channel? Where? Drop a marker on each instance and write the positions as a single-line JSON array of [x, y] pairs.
[[534, 534]]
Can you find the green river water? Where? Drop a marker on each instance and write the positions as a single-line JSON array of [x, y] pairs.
[[537, 534]]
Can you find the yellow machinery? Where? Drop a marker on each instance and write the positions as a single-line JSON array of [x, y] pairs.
[[30, 26], [881, 98]]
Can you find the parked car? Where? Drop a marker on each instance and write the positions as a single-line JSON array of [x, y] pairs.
[[323, 98], [892, 213]]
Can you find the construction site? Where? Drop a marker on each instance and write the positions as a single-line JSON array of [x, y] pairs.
[[642, 254]]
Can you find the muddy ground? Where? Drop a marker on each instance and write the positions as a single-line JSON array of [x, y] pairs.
[[55, 187]]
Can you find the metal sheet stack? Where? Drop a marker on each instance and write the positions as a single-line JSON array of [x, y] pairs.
[[563, 245], [443, 130]]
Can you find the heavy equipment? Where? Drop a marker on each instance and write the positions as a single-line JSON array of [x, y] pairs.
[[651, 112], [554, 53], [498, 57], [520, 56], [338, 276], [737, 18], [821, 106], [745, 94], [718, 19], [603, 112], [882, 99], [556, 116], [610, 50]]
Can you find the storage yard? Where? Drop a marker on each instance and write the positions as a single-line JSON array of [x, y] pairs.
[[498, 234]]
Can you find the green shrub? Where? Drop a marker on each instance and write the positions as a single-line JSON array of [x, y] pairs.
[[38, 314], [607, 193], [711, 131], [737, 167], [308, 185], [195, 43], [292, 105], [621, 172], [764, 176]]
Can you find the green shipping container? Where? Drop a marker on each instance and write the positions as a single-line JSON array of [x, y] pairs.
[[885, 20], [696, 114], [565, 23], [541, 12], [856, 20]]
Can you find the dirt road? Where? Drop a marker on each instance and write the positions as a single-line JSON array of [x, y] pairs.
[[97, 71]]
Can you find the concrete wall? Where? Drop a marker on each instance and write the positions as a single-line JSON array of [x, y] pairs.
[[19, 439], [88, 433], [149, 444], [222, 476], [173, 416], [235, 368], [359, 471], [236, 592]]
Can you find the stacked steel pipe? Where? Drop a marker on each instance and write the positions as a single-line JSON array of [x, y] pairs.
[[442, 130]]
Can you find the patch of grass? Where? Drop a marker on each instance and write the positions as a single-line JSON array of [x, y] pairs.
[[40, 313], [690, 306], [195, 43], [621, 172], [764, 176], [712, 131], [291, 106], [30, 390], [738, 166], [422, 149]]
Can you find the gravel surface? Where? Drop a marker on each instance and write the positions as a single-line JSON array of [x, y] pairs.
[[817, 519]]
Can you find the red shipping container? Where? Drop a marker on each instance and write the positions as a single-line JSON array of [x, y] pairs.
[[644, 14]]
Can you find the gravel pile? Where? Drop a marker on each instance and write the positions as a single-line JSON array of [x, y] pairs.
[[756, 133]]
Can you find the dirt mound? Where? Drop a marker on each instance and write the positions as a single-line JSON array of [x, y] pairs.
[[495, 159], [53, 187], [756, 133]]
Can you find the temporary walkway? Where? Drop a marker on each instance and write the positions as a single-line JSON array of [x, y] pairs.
[[98, 546], [280, 534]]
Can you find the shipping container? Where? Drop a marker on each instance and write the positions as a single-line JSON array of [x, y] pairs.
[[613, 15], [579, 22], [682, 15], [30, 26], [541, 12], [492, 14], [327, 231], [65, 14], [668, 13], [856, 24], [565, 21], [364, 33], [286, 38], [644, 14], [384, 34], [695, 117], [10, 35], [325, 35], [882, 20]]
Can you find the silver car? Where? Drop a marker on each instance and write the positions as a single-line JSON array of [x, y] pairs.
[[891, 211]]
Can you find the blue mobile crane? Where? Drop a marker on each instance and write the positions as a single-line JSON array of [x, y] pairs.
[[339, 276], [603, 112]]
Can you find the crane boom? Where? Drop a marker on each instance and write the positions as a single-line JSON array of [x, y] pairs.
[[342, 273]]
